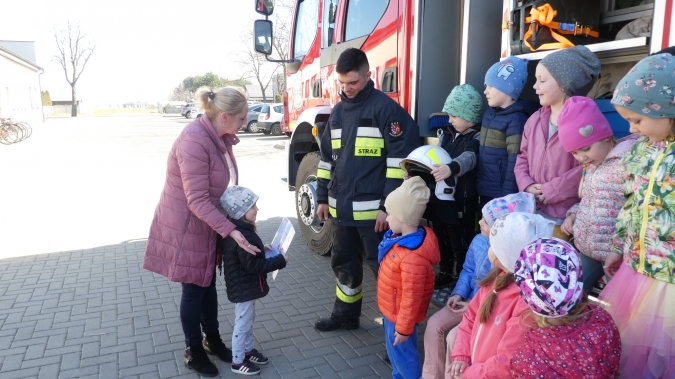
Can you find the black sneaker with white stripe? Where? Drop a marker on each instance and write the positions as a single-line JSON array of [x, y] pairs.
[[246, 368], [256, 357]]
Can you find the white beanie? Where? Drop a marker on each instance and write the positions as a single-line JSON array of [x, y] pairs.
[[512, 232], [408, 202]]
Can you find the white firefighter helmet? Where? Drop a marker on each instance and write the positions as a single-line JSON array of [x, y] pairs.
[[420, 163]]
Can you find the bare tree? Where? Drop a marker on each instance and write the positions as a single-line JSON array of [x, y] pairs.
[[74, 53], [255, 66], [283, 11]]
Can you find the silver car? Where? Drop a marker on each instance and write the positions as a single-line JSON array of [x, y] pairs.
[[252, 118]]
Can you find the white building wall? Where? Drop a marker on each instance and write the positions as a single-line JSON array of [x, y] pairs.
[[19, 91]]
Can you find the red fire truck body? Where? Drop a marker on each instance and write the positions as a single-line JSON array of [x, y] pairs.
[[418, 51]]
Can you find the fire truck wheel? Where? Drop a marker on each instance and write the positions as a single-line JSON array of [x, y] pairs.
[[317, 234]]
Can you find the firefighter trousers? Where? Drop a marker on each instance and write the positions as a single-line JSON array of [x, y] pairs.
[[350, 244]]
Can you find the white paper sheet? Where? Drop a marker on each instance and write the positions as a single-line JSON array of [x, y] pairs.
[[281, 242]]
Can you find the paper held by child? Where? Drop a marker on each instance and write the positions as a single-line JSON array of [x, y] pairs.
[[281, 242]]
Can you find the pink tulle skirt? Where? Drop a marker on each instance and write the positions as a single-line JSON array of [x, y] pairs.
[[643, 309]]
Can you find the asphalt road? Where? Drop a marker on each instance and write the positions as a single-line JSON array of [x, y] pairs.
[[91, 181]]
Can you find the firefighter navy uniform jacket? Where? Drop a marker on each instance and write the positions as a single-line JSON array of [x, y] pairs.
[[361, 149]]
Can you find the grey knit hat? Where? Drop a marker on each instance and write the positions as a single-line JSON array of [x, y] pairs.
[[237, 200], [573, 68]]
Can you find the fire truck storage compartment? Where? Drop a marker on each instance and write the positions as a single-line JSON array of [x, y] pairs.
[[609, 22], [585, 13], [439, 53]]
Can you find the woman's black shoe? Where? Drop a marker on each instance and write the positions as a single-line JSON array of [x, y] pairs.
[[197, 360], [213, 344]]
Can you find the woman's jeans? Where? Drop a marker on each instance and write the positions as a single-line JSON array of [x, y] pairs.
[[435, 342], [592, 271], [198, 311]]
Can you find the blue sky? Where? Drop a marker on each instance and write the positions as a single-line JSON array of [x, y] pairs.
[[144, 48]]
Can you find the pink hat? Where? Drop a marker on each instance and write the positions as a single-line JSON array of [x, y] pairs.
[[581, 123]]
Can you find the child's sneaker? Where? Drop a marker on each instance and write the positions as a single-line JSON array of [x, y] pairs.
[[256, 357], [246, 368]]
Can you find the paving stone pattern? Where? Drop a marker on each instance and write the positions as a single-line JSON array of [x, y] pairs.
[[97, 313]]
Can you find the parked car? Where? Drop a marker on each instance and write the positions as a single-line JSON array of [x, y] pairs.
[[252, 118], [187, 110], [196, 113], [269, 120]]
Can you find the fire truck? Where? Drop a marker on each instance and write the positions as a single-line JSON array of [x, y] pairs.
[[420, 49]]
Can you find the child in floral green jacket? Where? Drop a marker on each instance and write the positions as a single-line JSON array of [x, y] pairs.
[[641, 295]]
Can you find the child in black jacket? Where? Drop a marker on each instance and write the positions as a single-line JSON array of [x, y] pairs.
[[245, 276], [455, 221]]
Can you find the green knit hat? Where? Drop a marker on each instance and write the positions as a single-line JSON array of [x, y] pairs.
[[464, 102]]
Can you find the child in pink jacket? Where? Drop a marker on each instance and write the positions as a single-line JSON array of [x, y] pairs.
[[491, 329], [586, 134], [543, 167]]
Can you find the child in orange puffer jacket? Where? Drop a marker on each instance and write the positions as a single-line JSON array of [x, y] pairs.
[[406, 278]]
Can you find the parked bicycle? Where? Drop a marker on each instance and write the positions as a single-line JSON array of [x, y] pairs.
[[13, 131]]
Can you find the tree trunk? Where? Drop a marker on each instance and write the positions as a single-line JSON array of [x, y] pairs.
[[73, 111]]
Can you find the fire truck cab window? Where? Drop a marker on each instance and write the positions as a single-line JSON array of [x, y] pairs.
[[329, 12], [363, 16], [306, 25]]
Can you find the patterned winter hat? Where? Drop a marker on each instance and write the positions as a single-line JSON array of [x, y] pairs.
[[548, 273], [501, 206], [464, 102], [649, 87], [237, 200], [508, 76]]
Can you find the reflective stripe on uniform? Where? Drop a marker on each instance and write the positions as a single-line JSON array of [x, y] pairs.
[[394, 170], [366, 215], [346, 298], [394, 162], [366, 131], [369, 142], [323, 170], [394, 173], [335, 133], [365, 205], [366, 210], [349, 291], [332, 204], [336, 138]]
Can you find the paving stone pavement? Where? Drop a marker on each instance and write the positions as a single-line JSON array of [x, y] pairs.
[[96, 313]]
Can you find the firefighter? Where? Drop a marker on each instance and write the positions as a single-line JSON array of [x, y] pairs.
[[366, 138]]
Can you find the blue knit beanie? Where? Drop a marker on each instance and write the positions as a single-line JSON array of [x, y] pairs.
[[464, 102], [508, 76], [649, 87]]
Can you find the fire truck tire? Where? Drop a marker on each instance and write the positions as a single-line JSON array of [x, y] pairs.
[[318, 237]]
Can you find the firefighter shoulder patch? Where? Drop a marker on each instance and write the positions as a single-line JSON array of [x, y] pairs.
[[395, 129]]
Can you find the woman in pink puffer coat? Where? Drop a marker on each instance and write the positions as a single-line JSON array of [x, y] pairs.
[[187, 223]]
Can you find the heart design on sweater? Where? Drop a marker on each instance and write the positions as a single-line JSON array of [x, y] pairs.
[[586, 131]]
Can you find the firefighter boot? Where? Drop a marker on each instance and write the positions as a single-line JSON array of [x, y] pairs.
[[333, 323]]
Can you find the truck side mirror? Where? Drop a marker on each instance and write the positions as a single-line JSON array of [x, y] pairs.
[[262, 31], [264, 7]]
